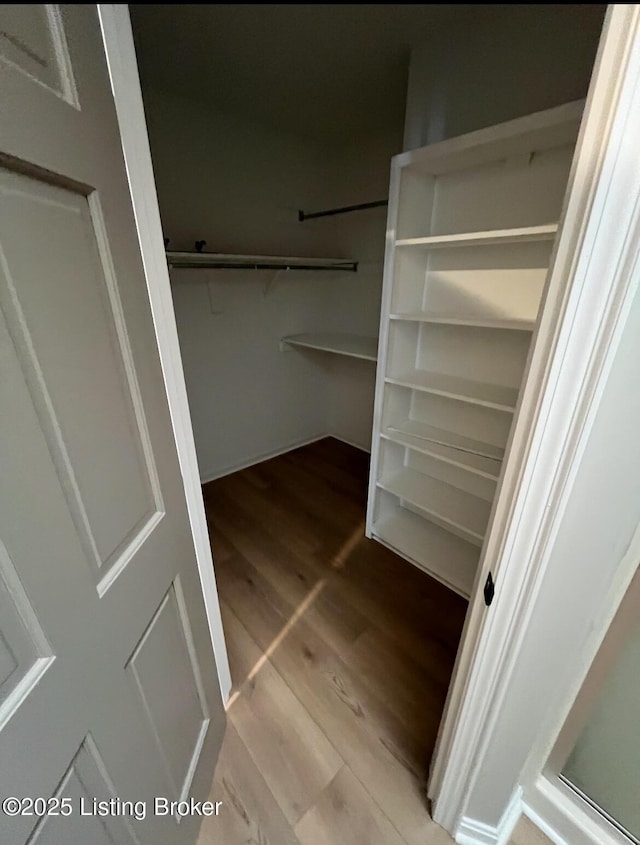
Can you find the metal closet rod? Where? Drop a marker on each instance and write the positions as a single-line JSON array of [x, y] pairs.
[[302, 216]]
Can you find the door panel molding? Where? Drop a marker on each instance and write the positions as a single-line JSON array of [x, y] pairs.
[[83, 397], [119, 322], [26, 641], [123, 71], [107, 564], [86, 778], [29, 59], [168, 636]]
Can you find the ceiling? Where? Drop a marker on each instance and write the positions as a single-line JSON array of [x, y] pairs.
[[330, 73]]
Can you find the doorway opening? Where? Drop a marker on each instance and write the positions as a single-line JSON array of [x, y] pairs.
[[259, 118]]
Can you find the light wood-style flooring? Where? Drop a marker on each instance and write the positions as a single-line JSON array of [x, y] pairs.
[[341, 654]]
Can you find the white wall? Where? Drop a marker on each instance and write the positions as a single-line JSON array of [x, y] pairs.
[[511, 61], [239, 186], [360, 174]]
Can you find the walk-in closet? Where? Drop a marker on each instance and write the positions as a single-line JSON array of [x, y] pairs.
[[360, 206]]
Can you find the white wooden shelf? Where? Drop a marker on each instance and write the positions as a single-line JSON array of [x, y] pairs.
[[226, 261], [515, 324], [487, 238], [475, 392], [476, 464], [449, 506], [352, 345], [443, 555], [422, 432]]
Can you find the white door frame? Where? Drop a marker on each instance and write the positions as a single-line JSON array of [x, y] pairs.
[[562, 812], [123, 71], [590, 287], [591, 284]]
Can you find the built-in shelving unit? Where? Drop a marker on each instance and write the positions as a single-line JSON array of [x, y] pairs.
[[352, 345], [223, 261], [471, 227]]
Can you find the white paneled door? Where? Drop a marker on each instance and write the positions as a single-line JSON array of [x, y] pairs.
[[108, 686]]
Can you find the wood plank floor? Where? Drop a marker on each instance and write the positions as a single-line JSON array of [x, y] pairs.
[[340, 652]]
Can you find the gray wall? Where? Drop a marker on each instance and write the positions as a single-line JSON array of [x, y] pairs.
[[606, 759], [512, 61], [239, 185]]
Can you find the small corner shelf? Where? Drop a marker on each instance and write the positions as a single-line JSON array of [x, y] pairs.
[[224, 261], [352, 345], [487, 238], [479, 321]]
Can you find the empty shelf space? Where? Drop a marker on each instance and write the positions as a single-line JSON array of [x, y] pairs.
[[420, 432], [459, 320], [441, 554], [454, 387], [445, 503], [352, 345], [493, 236], [479, 465]]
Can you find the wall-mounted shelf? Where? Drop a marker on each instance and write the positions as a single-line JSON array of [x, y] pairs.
[[223, 261], [352, 345], [489, 237]]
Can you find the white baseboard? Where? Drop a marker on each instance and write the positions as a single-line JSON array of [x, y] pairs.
[[543, 822], [473, 832], [205, 477], [567, 819], [346, 440]]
